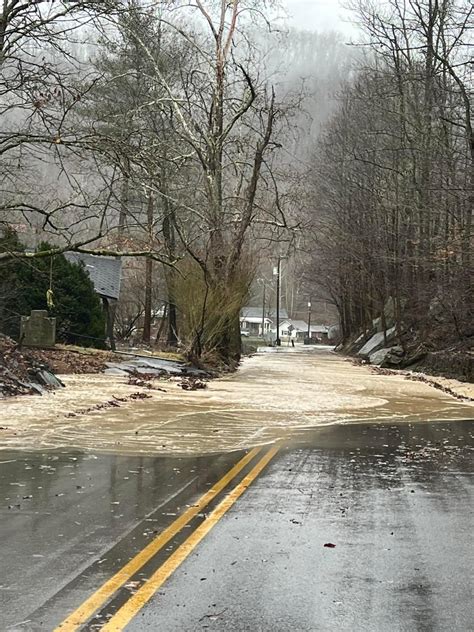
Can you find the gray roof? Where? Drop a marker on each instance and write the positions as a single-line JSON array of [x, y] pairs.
[[256, 312], [105, 272]]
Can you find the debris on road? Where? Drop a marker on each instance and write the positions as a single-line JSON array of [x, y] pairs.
[[330, 545], [116, 402], [190, 383], [148, 368], [214, 616], [145, 380]]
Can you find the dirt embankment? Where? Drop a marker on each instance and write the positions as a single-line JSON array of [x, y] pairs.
[[23, 371], [432, 350], [455, 363], [450, 370], [26, 371]]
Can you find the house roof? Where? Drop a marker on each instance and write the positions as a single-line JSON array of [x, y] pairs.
[[105, 272], [300, 325], [256, 312], [253, 319]]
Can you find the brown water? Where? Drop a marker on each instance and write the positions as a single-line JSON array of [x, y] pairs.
[[273, 396]]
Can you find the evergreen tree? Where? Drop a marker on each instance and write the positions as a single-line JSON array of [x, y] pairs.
[[9, 281], [77, 307]]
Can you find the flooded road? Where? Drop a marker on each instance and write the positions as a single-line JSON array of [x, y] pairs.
[[273, 397], [219, 509]]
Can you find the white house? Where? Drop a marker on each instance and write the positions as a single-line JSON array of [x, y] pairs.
[[298, 330], [290, 328], [251, 319], [252, 325]]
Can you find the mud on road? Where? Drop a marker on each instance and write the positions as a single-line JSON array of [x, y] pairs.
[[276, 396]]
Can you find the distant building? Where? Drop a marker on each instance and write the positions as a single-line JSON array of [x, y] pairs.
[[251, 319], [298, 330], [320, 333], [251, 324], [294, 329], [106, 275]]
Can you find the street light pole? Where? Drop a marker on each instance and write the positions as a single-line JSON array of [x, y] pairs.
[[309, 322]]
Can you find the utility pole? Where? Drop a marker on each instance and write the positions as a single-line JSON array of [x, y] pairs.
[[148, 276], [278, 272]]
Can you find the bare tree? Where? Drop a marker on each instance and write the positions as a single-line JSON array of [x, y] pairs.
[[394, 177], [224, 114]]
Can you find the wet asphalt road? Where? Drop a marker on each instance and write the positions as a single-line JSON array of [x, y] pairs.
[[395, 500], [72, 520]]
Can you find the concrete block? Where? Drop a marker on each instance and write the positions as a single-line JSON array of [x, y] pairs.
[[38, 330]]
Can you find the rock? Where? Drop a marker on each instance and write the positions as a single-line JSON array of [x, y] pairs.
[[45, 377], [436, 309], [375, 342], [388, 357], [353, 345], [378, 357], [395, 358], [21, 372]]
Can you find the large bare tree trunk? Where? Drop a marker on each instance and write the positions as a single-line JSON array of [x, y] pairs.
[[146, 337], [169, 235]]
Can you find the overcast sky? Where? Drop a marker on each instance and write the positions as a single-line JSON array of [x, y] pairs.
[[319, 15]]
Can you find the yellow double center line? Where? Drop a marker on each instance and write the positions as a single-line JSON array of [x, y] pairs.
[[140, 598]]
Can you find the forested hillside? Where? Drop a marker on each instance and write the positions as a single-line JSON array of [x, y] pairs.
[[392, 180]]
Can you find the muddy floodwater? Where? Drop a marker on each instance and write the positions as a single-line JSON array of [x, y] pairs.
[[279, 395]]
